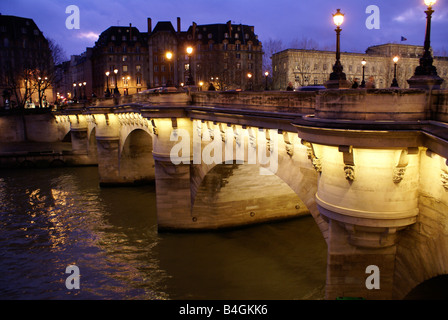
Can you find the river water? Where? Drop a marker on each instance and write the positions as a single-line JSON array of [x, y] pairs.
[[53, 218]]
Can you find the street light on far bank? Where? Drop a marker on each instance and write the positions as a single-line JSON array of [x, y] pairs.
[[395, 82], [116, 91], [107, 84], [266, 74], [190, 80], [363, 82], [169, 56]]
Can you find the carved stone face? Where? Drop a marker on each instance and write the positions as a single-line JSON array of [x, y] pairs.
[[444, 179], [349, 173], [398, 174]]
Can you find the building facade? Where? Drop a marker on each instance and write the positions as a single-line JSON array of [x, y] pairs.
[[300, 67], [119, 61], [26, 64], [129, 61]]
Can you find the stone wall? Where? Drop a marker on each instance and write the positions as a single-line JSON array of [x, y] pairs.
[[422, 248], [287, 102]]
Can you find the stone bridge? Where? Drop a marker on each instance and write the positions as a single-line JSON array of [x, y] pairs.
[[370, 166]]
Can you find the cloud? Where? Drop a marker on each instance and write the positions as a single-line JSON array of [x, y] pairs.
[[88, 35], [409, 15]]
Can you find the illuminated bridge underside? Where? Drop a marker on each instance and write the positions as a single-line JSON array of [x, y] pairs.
[[369, 166]]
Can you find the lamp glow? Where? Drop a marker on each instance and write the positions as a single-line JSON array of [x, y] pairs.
[[430, 3], [338, 18]]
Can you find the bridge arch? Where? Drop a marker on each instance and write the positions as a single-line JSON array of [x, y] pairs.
[[136, 163], [240, 192], [435, 288]]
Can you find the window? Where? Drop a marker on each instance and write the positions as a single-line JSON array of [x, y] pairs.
[[125, 49], [111, 49], [138, 81], [210, 35], [156, 68], [249, 56], [125, 68], [238, 66], [226, 35], [112, 38], [138, 68], [125, 58], [123, 38], [238, 55], [238, 47]]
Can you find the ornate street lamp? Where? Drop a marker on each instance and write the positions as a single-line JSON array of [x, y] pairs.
[[425, 75], [169, 56], [85, 95], [190, 80], [74, 92], [116, 91], [394, 82], [249, 76], [338, 78], [107, 84], [266, 74], [363, 82]]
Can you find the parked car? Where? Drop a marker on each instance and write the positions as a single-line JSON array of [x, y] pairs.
[[160, 90], [311, 88]]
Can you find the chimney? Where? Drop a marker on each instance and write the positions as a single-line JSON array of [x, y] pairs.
[[149, 25], [130, 31], [229, 26], [194, 30], [178, 24]]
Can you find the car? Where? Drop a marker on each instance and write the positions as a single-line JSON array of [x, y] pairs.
[[311, 88], [160, 89]]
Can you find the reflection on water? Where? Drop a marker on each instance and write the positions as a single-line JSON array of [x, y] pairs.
[[51, 218]]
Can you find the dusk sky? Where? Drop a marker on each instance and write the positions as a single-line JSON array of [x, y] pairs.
[[284, 20]]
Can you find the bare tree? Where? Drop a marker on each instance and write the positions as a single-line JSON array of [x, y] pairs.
[[304, 43], [270, 47]]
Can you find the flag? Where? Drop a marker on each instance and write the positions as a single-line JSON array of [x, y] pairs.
[[403, 38]]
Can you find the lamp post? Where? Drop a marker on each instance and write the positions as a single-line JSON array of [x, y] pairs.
[[169, 56], [107, 85], [116, 91], [363, 82], [394, 82], [425, 75], [338, 78], [85, 95], [74, 92], [190, 80], [249, 76], [266, 74]]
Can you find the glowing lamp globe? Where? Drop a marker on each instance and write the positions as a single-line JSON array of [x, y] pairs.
[[430, 3], [338, 18]]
